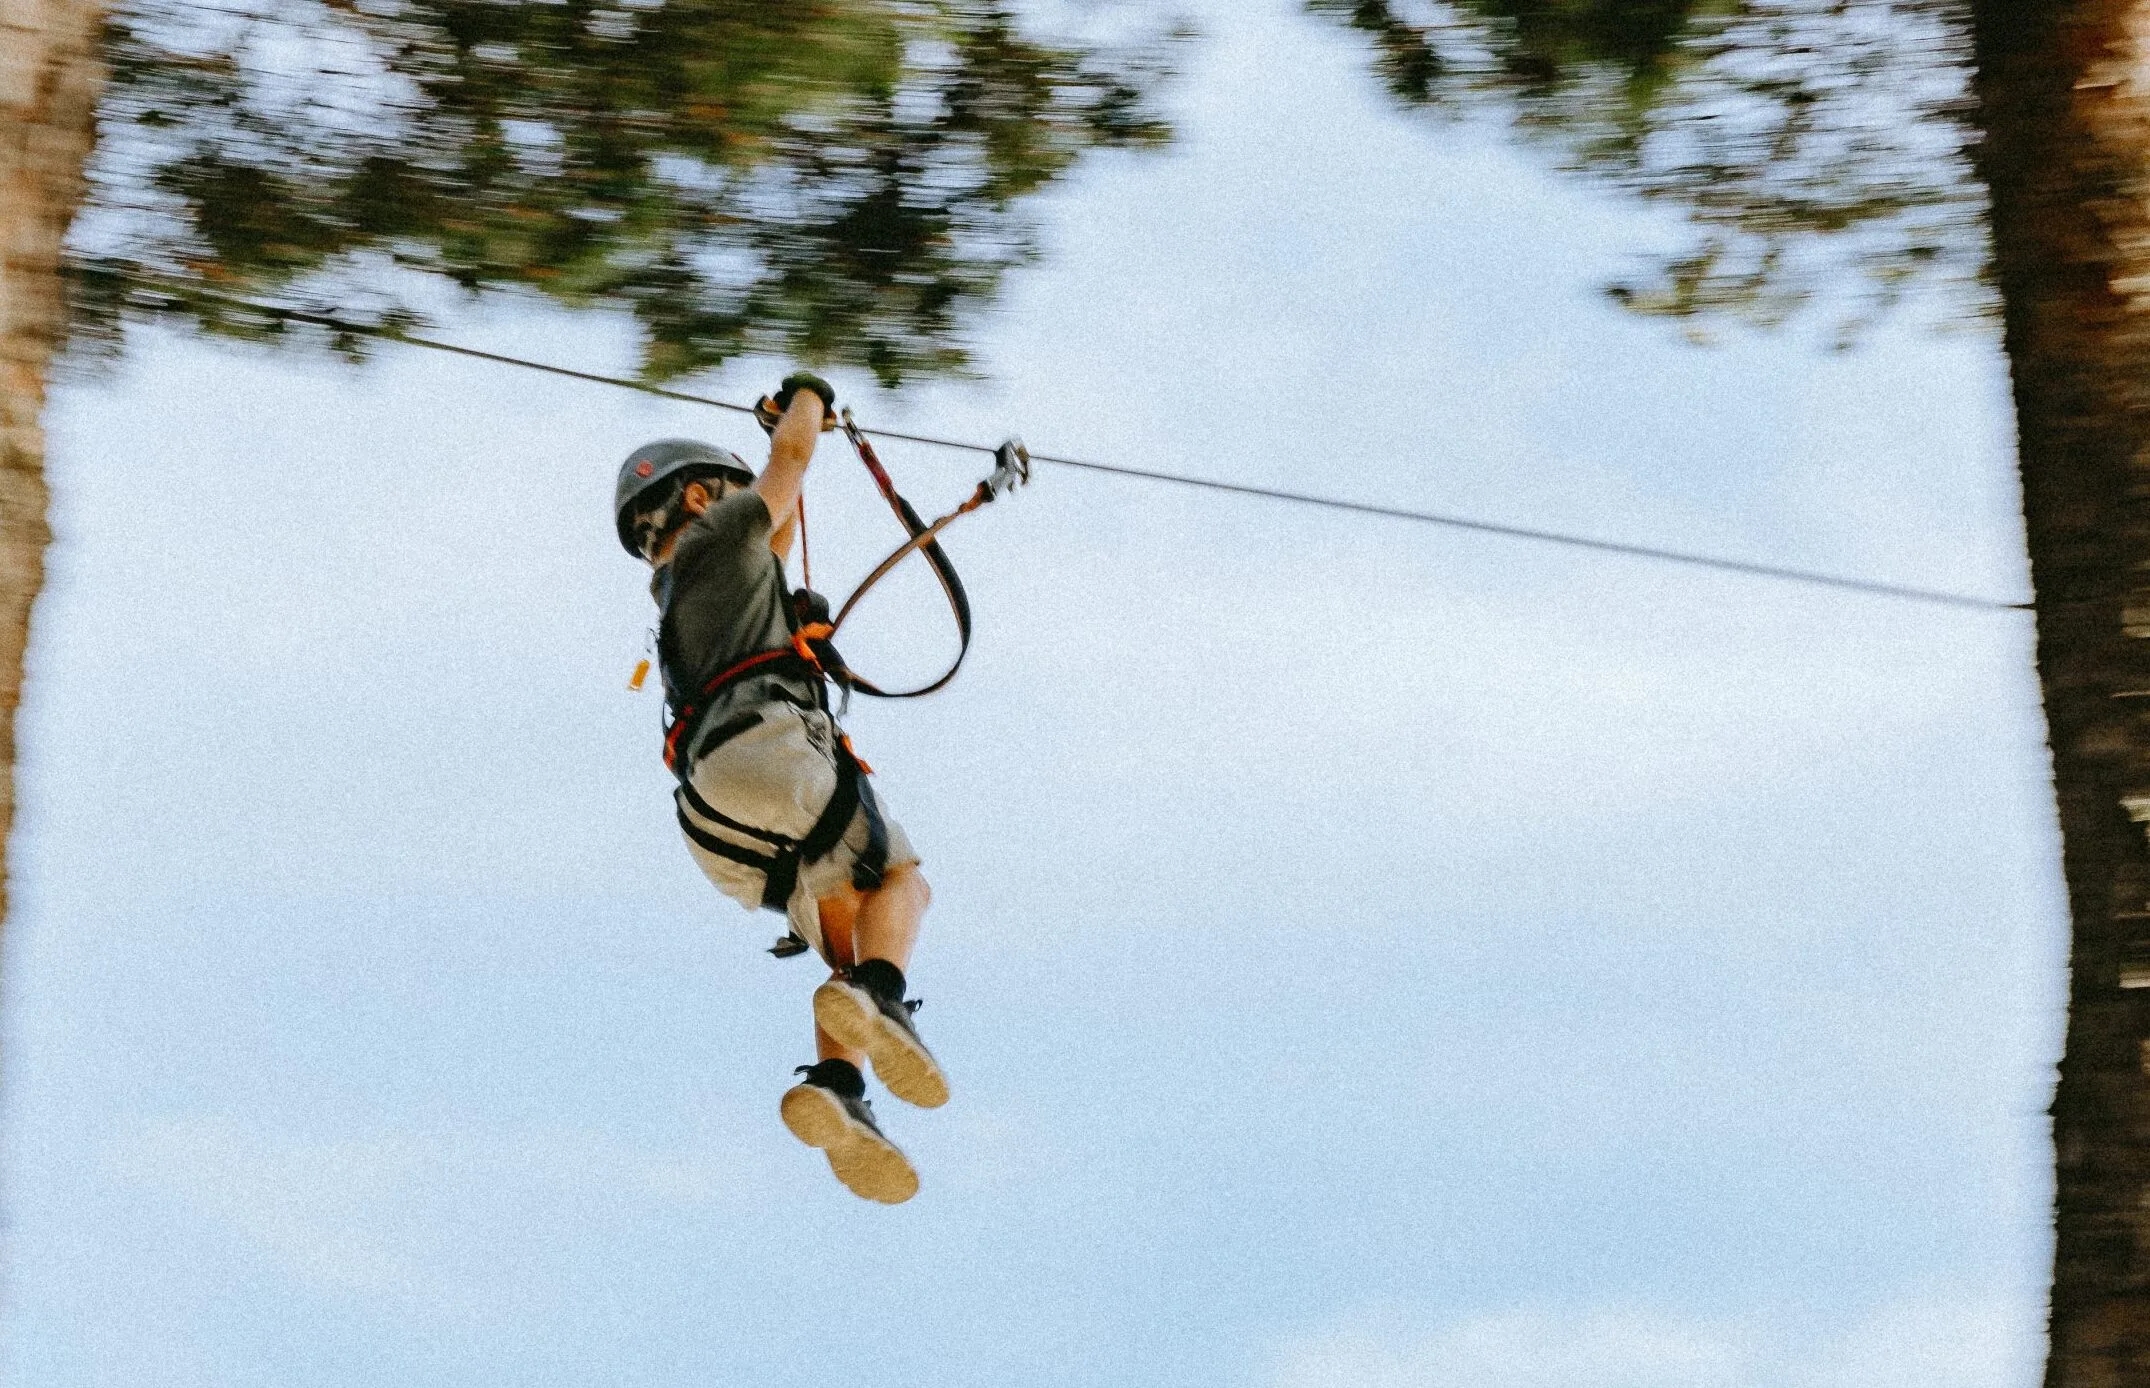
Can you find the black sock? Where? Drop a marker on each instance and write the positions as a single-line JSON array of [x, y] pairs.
[[880, 977], [836, 1076]]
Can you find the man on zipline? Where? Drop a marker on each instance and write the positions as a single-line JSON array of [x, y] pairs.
[[775, 806]]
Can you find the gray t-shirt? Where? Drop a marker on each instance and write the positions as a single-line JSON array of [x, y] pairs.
[[728, 601]]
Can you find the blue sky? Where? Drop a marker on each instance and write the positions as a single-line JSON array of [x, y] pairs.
[[1366, 956]]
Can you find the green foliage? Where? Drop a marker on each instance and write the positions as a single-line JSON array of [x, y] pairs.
[[1800, 139], [840, 181]]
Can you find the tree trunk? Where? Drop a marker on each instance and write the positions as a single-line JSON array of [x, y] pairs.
[[49, 81], [2064, 91]]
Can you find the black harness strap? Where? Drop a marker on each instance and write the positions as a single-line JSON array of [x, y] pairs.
[[730, 728], [780, 868], [723, 848], [705, 810], [924, 539], [828, 831], [872, 865]]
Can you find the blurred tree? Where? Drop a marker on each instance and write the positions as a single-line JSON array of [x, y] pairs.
[[1847, 125], [49, 81], [841, 181], [1799, 138], [2064, 91]]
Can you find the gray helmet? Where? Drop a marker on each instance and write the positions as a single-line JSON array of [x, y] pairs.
[[649, 468]]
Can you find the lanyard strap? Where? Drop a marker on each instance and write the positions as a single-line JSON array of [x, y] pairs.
[[924, 538]]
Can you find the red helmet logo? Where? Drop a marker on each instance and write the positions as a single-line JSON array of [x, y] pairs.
[[644, 469]]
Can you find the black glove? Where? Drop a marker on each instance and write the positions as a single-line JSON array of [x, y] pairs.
[[770, 408], [804, 380]]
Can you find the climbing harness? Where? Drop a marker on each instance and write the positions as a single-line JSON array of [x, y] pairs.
[[778, 858], [811, 658]]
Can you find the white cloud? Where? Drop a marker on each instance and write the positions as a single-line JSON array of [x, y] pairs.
[[1962, 1342], [386, 1215], [1938, 1343]]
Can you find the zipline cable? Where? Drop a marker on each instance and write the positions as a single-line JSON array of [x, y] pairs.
[[1810, 577]]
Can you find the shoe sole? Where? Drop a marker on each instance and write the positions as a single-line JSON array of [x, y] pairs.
[[850, 1017], [870, 1166]]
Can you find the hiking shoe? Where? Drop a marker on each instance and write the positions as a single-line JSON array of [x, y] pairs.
[[876, 1020], [841, 1125]]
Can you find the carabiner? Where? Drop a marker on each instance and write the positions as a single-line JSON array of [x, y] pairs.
[[1011, 470]]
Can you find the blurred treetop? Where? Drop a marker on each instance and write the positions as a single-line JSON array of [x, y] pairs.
[[841, 181], [1798, 139]]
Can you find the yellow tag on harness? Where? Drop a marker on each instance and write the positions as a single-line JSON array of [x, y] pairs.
[[641, 673]]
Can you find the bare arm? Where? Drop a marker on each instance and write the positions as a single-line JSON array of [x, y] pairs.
[[791, 448]]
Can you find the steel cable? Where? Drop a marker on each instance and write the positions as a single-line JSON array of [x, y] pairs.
[[1810, 577]]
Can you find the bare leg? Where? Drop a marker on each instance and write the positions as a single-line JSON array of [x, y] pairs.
[[826, 1047], [839, 921], [880, 925], [888, 916]]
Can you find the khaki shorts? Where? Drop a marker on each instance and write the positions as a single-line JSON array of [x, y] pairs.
[[777, 776]]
